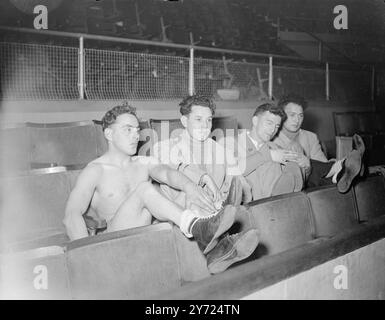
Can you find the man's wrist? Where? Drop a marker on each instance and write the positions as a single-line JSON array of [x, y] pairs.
[[202, 182]]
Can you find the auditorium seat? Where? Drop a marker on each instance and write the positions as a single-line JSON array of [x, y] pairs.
[[34, 274], [145, 136], [165, 128], [332, 212], [223, 126], [370, 197], [15, 149], [62, 144], [129, 264], [367, 122], [100, 139], [345, 123], [33, 204], [283, 221]]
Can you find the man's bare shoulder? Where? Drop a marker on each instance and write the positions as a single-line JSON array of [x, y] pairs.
[[93, 170], [146, 160]]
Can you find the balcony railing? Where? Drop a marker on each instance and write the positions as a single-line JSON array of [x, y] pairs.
[[47, 72]]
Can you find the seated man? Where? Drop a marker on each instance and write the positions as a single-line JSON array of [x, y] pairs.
[[319, 170], [201, 158], [268, 169], [117, 187]]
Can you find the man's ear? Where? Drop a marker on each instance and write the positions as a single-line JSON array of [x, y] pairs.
[[108, 134], [183, 119], [255, 121]]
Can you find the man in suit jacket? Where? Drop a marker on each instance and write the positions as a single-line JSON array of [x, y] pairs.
[[270, 170], [319, 170]]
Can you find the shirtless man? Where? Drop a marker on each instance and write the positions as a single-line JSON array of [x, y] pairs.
[[117, 187], [319, 170]]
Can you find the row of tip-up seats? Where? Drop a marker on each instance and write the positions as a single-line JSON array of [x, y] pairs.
[[370, 126], [73, 144], [38, 261]]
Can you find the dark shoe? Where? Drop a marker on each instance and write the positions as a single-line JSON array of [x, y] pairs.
[[350, 169], [231, 249], [358, 144], [207, 230]]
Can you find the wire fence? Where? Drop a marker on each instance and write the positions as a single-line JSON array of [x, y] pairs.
[[30, 71], [33, 72]]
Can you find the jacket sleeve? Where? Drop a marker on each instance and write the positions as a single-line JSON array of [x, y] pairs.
[[316, 152]]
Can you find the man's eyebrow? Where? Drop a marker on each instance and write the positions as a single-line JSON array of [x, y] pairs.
[[129, 125]]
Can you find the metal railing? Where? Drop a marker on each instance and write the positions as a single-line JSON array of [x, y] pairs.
[[34, 71]]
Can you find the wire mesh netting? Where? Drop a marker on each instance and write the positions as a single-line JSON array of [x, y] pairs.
[[30, 71], [232, 80], [124, 75], [310, 83], [350, 86]]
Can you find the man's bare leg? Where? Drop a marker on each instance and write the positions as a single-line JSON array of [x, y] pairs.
[[205, 230], [132, 213]]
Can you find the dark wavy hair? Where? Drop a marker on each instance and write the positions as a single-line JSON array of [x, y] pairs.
[[292, 98], [111, 115], [272, 108], [196, 100]]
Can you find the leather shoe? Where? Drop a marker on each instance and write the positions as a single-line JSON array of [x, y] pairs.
[[231, 249], [207, 230], [351, 168]]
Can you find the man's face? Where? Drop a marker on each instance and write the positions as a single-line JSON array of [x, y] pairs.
[[125, 133], [294, 114], [198, 123], [266, 125]]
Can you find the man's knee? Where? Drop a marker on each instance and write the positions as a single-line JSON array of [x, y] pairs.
[[145, 189]]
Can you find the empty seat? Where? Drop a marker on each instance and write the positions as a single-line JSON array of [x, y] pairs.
[[345, 123], [333, 212], [34, 274], [100, 139], [63, 143], [284, 222], [370, 196], [130, 264], [223, 126], [165, 129], [367, 121], [33, 205], [15, 149]]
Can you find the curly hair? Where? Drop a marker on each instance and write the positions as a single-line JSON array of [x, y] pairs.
[[272, 108], [196, 100], [111, 115], [292, 98]]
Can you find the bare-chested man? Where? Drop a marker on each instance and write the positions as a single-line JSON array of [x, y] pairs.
[[117, 187]]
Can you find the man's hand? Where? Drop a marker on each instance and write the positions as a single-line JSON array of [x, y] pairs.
[[303, 161], [247, 194], [196, 196], [214, 191], [283, 156]]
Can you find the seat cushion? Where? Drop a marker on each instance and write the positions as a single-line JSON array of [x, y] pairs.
[[370, 196], [333, 212], [129, 264], [33, 205], [283, 222]]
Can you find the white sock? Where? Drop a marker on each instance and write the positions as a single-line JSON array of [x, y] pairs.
[[335, 169], [187, 218]]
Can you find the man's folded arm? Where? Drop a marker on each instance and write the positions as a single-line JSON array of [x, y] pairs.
[[79, 201]]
